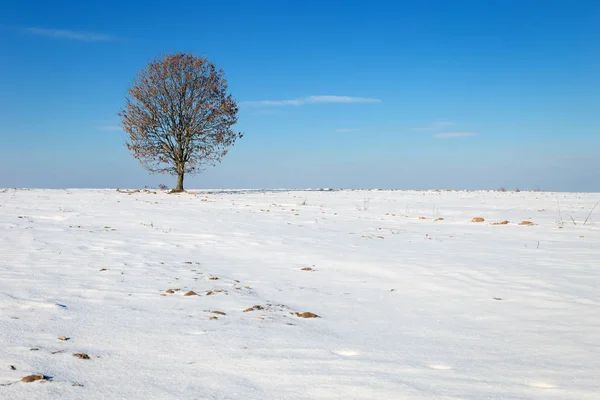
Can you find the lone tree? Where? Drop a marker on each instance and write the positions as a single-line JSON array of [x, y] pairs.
[[179, 116]]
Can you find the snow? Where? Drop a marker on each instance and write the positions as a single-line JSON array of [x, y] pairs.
[[409, 308]]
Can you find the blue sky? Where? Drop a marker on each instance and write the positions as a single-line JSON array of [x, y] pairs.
[[422, 94]]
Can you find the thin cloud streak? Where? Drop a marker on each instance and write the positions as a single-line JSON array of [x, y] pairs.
[[454, 135], [313, 100], [434, 126], [71, 35]]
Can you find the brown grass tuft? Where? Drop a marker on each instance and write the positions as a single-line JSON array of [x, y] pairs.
[[33, 378], [306, 315], [254, 308]]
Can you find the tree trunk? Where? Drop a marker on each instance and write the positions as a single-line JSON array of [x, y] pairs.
[[179, 187]]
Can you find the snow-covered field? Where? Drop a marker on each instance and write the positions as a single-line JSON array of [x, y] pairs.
[[409, 307]]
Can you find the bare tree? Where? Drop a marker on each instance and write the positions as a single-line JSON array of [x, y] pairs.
[[179, 116]]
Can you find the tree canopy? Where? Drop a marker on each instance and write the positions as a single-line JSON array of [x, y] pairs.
[[179, 116]]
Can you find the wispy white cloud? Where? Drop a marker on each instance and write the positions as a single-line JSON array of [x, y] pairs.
[[262, 111], [341, 99], [346, 130], [313, 100], [434, 126], [71, 35], [454, 135], [109, 128]]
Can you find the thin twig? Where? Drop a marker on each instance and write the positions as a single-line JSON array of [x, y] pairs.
[[559, 214], [590, 214]]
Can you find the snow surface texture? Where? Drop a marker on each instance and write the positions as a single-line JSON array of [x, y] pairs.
[[410, 307]]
